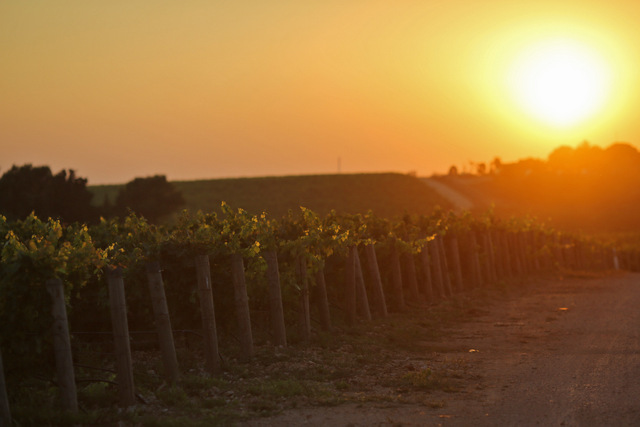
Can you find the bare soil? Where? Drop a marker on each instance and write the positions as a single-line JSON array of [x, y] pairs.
[[563, 351]]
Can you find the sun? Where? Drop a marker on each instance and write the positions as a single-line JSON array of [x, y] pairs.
[[560, 82]]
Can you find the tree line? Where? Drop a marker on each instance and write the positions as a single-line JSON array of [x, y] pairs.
[[619, 159], [65, 196], [586, 187]]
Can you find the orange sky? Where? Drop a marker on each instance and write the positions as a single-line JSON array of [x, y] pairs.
[[202, 89]]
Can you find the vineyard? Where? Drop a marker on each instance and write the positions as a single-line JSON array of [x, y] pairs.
[[76, 301]]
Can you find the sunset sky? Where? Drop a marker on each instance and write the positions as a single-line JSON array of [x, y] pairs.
[[203, 89]]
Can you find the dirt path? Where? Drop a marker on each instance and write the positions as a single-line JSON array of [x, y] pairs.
[[459, 200], [564, 352]]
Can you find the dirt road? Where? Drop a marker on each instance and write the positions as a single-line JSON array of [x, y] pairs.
[[459, 200], [563, 352]]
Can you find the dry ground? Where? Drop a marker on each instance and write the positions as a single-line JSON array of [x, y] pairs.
[[563, 351]]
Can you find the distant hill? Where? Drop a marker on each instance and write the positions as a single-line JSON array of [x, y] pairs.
[[386, 194]]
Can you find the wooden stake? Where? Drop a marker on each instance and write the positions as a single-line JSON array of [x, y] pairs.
[[163, 322], [535, 251], [497, 255], [466, 260], [486, 258], [275, 298], [323, 300], [410, 276], [445, 267], [526, 253], [242, 306], [396, 277], [475, 259], [454, 256], [124, 368], [427, 279], [361, 290], [207, 311], [491, 257], [350, 286], [5, 412], [504, 243], [515, 248], [436, 267], [62, 346], [303, 284], [374, 272]]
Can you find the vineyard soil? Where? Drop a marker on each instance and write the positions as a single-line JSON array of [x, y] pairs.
[[563, 351]]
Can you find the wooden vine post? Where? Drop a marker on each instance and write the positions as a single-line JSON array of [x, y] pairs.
[[566, 252], [466, 261], [486, 258], [497, 255], [350, 286], [475, 260], [207, 310], [322, 300], [549, 254], [62, 346], [491, 257], [436, 267], [362, 301], [410, 275], [445, 267], [501, 254], [5, 411], [427, 280], [554, 249], [615, 260], [581, 256], [275, 298], [242, 306], [454, 255], [396, 277], [515, 250], [303, 285], [504, 243], [526, 253], [374, 272], [162, 321], [566, 256], [124, 368], [533, 238]]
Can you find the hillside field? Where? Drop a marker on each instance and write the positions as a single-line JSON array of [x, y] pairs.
[[386, 194]]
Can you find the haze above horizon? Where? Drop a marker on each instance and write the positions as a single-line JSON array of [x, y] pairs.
[[198, 89]]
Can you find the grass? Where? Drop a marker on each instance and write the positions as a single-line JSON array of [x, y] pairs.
[[423, 379], [386, 194]]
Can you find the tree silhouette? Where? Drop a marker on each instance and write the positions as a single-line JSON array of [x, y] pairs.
[[586, 187], [62, 196], [152, 197]]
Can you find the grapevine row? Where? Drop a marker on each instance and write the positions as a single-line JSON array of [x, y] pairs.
[[337, 269]]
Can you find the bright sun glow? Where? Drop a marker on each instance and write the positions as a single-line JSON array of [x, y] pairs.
[[560, 82]]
